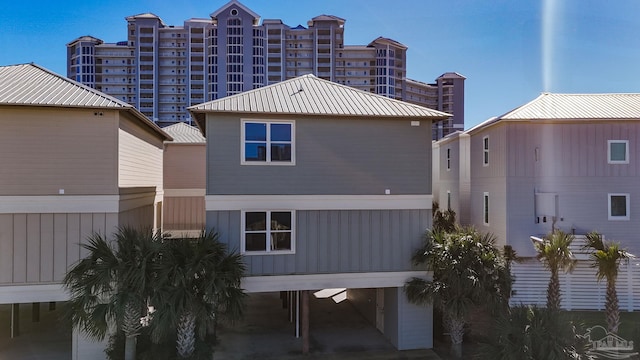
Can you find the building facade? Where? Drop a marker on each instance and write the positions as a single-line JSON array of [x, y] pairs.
[[163, 69], [304, 188]]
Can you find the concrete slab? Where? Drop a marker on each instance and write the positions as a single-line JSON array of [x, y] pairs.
[[337, 331]]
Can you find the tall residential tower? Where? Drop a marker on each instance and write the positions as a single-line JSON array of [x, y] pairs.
[[163, 69]]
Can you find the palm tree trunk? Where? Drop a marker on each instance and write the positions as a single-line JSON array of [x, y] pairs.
[[186, 331], [455, 327], [612, 309], [553, 291]]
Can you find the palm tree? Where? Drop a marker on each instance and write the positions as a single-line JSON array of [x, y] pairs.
[[198, 281], [468, 270], [112, 284], [555, 253], [606, 257]]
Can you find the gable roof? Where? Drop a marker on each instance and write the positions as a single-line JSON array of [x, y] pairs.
[[183, 133], [309, 95], [550, 106], [32, 85], [215, 14]]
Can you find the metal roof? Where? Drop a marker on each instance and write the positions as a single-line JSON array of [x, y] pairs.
[[309, 95], [572, 107], [183, 133], [549, 106], [32, 85]]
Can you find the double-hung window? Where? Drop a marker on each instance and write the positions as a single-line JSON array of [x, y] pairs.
[[618, 206], [268, 232], [449, 159], [268, 142], [618, 151], [485, 209]]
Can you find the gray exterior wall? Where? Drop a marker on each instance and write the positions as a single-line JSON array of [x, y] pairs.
[[406, 325], [363, 157], [335, 241], [571, 163], [456, 179]]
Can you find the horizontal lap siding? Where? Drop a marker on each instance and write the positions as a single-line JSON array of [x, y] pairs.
[[184, 166], [44, 151], [38, 248], [139, 157], [344, 156], [336, 241]]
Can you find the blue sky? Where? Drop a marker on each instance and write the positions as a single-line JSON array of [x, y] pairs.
[[588, 46]]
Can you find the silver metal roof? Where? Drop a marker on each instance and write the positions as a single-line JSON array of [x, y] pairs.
[[549, 106], [183, 133], [309, 95], [32, 85]]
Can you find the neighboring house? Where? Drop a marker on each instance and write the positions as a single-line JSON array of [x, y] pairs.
[[563, 161], [451, 178], [74, 161], [184, 181], [320, 185]]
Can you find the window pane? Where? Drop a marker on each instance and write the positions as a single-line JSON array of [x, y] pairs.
[[280, 152], [281, 220], [255, 132], [255, 221], [281, 241], [280, 132], [618, 151], [256, 242], [255, 152], [618, 205]]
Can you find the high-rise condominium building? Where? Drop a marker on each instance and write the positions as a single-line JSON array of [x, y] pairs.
[[163, 69]]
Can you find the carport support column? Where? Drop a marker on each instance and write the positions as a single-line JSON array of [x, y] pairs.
[[15, 320], [305, 322]]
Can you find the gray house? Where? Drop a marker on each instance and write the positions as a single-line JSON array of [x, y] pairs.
[[320, 185], [563, 161]]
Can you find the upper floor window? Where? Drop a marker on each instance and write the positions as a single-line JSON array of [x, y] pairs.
[[268, 231], [268, 142], [618, 151], [448, 159], [618, 206], [485, 151], [485, 209]]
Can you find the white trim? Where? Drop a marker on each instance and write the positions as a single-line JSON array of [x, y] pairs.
[[184, 192], [318, 202], [12, 294], [627, 203], [485, 151], [268, 142], [448, 158], [253, 284], [267, 231], [60, 204], [626, 154]]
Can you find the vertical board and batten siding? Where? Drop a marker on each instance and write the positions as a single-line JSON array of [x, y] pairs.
[[183, 213], [141, 217], [572, 163], [139, 156], [336, 241], [43, 150], [580, 289], [406, 325], [38, 248], [333, 156]]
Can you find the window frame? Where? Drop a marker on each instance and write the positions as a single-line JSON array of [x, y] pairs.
[[626, 217], [448, 159], [267, 251], [485, 208], [626, 154], [485, 151], [268, 142]]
